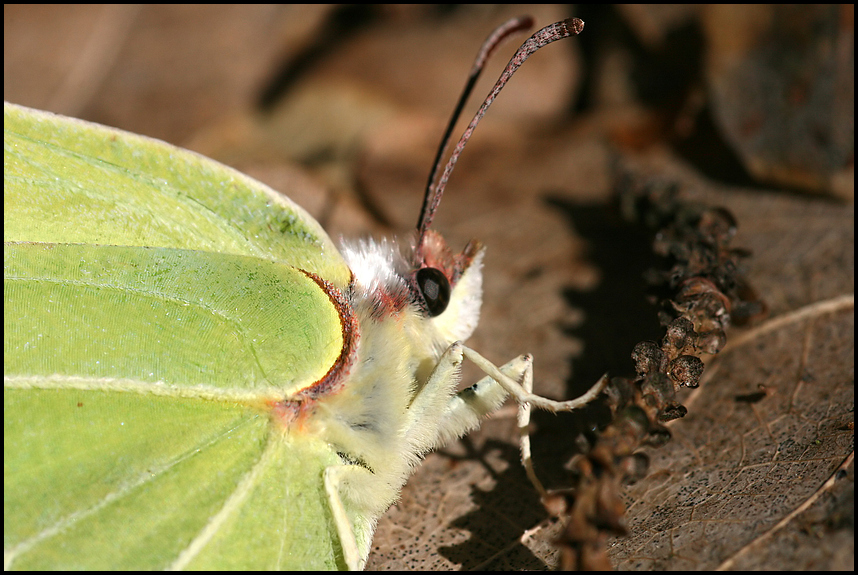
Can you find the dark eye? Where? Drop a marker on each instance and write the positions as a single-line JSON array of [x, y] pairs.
[[435, 289]]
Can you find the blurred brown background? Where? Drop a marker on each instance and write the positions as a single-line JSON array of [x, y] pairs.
[[341, 107]]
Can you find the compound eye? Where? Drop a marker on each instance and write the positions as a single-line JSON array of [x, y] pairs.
[[435, 289]]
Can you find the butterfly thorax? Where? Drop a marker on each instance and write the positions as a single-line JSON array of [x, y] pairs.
[[368, 419]]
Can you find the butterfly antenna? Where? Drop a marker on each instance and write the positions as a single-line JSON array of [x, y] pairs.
[[486, 50], [543, 37]]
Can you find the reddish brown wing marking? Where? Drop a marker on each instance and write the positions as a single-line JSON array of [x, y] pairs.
[[289, 410]]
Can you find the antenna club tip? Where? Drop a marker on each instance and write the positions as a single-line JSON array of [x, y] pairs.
[[576, 25]]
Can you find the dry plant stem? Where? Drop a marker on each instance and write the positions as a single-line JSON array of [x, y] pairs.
[[706, 291], [811, 310]]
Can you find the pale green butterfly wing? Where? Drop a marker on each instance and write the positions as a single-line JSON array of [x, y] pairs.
[[154, 310], [71, 181], [106, 480], [234, 325]]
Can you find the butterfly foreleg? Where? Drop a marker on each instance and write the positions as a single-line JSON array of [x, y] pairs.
[[516, 378], [336, 476]]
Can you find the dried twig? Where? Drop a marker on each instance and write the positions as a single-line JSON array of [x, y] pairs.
[[705, 293]]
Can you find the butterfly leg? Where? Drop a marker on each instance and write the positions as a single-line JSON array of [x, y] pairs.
[[439, 415], [336, 477], [524, 435], [522, 395], [427, 409], [455, 416], [516, 378], [466, 409]]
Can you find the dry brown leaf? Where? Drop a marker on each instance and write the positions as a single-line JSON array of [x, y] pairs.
[[563, 275], [765, 431]]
